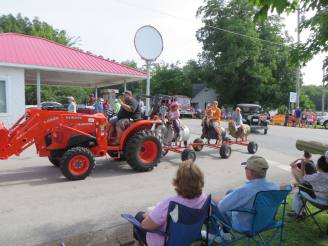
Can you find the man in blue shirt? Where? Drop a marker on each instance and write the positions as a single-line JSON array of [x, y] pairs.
[[243, 197], [298, 115], [99, 106]]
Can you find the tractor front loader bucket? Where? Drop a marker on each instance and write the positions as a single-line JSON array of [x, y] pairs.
[[4, 140]]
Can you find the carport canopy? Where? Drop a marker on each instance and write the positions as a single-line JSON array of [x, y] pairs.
[[50, 63]]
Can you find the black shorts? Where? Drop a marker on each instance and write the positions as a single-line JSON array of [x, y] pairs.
[[121, 123]]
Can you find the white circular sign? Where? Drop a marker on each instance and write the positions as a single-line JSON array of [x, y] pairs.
[[148, 43]]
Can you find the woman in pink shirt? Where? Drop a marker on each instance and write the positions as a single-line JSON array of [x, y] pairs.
[[188, 184]]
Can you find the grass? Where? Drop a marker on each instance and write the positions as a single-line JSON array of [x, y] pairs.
[[301, 233]]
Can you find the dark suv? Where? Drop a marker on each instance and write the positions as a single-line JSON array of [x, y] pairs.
[[254, 116]]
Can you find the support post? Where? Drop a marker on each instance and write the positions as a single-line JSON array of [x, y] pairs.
[[96, 92], [298, 70], [148, 88], [124, 85], [323, 91], [38, 88]]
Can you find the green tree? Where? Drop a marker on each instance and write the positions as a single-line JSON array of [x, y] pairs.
[[169, 79], [245, 69], [317, 23], [315, 95], [35, 27]]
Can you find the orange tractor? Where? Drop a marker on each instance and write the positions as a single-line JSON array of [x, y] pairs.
[[71, 141]]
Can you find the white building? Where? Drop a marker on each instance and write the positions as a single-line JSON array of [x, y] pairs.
[[32, 60], [202, 95]]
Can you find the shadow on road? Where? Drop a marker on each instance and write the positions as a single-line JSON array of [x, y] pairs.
[[43, 175]]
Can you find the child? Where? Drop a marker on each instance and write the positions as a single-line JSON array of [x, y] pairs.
[[174, 118]]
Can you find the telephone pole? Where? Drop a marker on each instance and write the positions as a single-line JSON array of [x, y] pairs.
[[298, 70], [323, 91]]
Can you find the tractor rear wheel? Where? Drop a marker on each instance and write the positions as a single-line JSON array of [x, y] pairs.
[[143, 151], [77, 163]]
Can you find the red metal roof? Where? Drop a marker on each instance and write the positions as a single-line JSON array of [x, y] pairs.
[[35, 51]]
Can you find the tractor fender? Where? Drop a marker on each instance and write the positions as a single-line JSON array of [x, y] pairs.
[[137, 126]]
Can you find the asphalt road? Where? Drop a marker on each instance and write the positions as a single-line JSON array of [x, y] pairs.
[[37, 204]]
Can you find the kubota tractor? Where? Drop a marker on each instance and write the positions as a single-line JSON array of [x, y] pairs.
[[71, 141]]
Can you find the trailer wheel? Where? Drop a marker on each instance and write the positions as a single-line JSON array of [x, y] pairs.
[[225, 151], [164, 152], [54, 158], [199, 145], [77, 163], [252, 147], [188, 155], [143, 151]]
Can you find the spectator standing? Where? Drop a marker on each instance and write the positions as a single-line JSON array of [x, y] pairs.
[[99, 107], [298, 115], [91, 100], [163, 109], [142, 107], [72, 105], [116, 106], [106, 105]]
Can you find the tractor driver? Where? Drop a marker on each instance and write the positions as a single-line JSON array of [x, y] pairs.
[[130, 109], [214, 116]]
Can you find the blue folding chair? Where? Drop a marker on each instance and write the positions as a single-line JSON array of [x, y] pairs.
[[264, 211], [183, 230]]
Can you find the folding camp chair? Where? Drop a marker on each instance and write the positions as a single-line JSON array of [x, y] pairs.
[[264, 211], [184, 227], [320, 206]]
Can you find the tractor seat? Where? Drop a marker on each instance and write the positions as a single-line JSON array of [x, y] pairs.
[[131, 121]]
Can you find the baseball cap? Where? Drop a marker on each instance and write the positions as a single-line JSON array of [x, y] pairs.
[[128, 92], [326, 154], [257, 163], [72, 98]]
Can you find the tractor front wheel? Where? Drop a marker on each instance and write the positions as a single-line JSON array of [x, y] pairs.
[[54, 158], [143, 151], [77, 163]]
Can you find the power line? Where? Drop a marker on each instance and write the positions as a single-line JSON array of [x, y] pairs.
[[190, 20]]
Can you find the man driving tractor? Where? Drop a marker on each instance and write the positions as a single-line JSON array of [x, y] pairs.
[[130, 109], [214, 117]]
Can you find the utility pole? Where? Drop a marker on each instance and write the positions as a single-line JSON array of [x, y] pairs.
[[298, 70], [323, 91]]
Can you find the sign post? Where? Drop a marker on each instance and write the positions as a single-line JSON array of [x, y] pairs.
[[149, 45], [292, 99]]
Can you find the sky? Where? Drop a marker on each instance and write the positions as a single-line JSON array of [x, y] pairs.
[[107, 27]]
